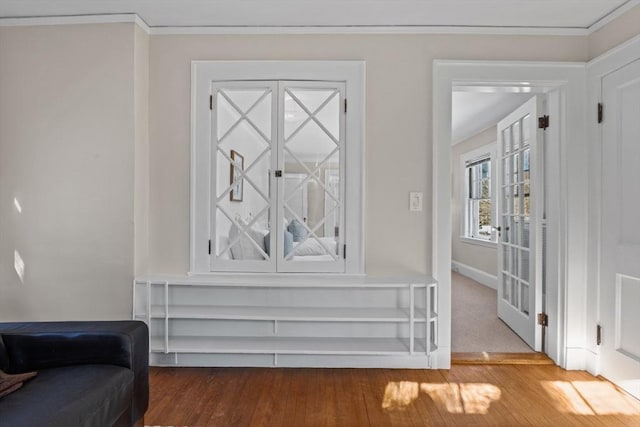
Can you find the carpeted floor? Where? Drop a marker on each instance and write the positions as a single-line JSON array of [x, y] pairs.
[[475, 323]]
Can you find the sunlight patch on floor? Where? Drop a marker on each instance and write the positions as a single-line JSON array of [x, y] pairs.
[[463, 398], [590, 398]]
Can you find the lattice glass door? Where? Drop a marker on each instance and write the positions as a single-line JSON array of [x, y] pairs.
[[518, 296], [244, 129], [311, 145]]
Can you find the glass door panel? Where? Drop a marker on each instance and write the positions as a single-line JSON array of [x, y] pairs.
[[517, 300], [243, 138], [311, 150]]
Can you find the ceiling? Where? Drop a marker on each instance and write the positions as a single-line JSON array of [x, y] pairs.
[[488, 14], [473, 112]]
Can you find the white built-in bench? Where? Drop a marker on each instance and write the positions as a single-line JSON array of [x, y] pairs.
[[289, 320]]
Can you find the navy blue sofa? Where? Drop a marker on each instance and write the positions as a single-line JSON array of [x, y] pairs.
[[88, 373]]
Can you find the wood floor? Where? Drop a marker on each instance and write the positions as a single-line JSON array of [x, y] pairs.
[[466, 395], [485, 358]]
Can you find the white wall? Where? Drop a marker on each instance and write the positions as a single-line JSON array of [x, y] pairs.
[[69, 159], [67, 156], [398, 127], [141, 168], [479, 257]]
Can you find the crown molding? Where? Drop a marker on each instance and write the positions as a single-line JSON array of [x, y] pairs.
[[400, 29], [284, 30], [616, 13], [74, 19]]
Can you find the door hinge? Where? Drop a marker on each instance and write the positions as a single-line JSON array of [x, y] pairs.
[[344, 251], [543, 122], [543, 319], [600, 112], [211, 102], [345, 105], [278, 173], [598, 334], [209, 247]]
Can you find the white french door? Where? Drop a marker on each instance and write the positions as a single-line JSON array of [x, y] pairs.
[[273, 144], [311, 143], [519, 208], [620, 229]]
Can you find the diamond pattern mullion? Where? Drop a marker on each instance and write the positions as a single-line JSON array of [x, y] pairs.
[[244, 175], [298, 129], [244, 116], [312, 174], [317, 226], [311, 233], [243, 229], [297, 159], [312, 116]]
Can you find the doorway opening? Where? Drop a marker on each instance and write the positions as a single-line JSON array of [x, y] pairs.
[[562, 84], [498, 220]]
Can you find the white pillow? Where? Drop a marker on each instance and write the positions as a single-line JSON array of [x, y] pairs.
[[312, 247], [244, 248]]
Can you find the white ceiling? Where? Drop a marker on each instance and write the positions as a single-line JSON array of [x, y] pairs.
[[549, 14], [473, 112]]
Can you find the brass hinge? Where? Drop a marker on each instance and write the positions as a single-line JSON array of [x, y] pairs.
[[345, 105], [543, 122], [598, 334], [600, 112], [211, 102], [543, 319]]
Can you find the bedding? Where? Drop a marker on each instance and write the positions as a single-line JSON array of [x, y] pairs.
[[244, 248], [311, 249]]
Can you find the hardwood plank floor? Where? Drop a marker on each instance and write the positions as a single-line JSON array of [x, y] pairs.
[[485, 358], [465, 395]]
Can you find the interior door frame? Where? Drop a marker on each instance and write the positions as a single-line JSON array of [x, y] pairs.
[[597, 69], [565, 300]]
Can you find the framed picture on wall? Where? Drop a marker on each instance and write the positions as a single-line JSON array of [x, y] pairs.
[[236, 180]]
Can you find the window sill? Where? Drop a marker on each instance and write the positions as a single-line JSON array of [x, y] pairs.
[[478, 242]]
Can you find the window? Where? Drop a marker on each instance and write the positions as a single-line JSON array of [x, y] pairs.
[[478, 192], [277, 167]]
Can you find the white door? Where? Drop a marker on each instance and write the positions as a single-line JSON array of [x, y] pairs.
[[620, 229], [311, 142], [519, 220]]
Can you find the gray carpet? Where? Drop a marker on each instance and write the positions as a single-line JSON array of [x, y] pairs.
[[475, 323]]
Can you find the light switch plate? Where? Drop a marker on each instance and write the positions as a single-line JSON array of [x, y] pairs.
[[415, 201]]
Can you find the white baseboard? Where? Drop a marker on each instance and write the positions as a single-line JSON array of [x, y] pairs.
[[479, 276], [576, 359], [582, 359]]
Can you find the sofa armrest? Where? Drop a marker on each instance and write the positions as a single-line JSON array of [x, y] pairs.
[[40, 345]]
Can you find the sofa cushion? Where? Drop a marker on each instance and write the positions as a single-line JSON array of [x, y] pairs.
[[4, 358], [10, 383], [86, 395]]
